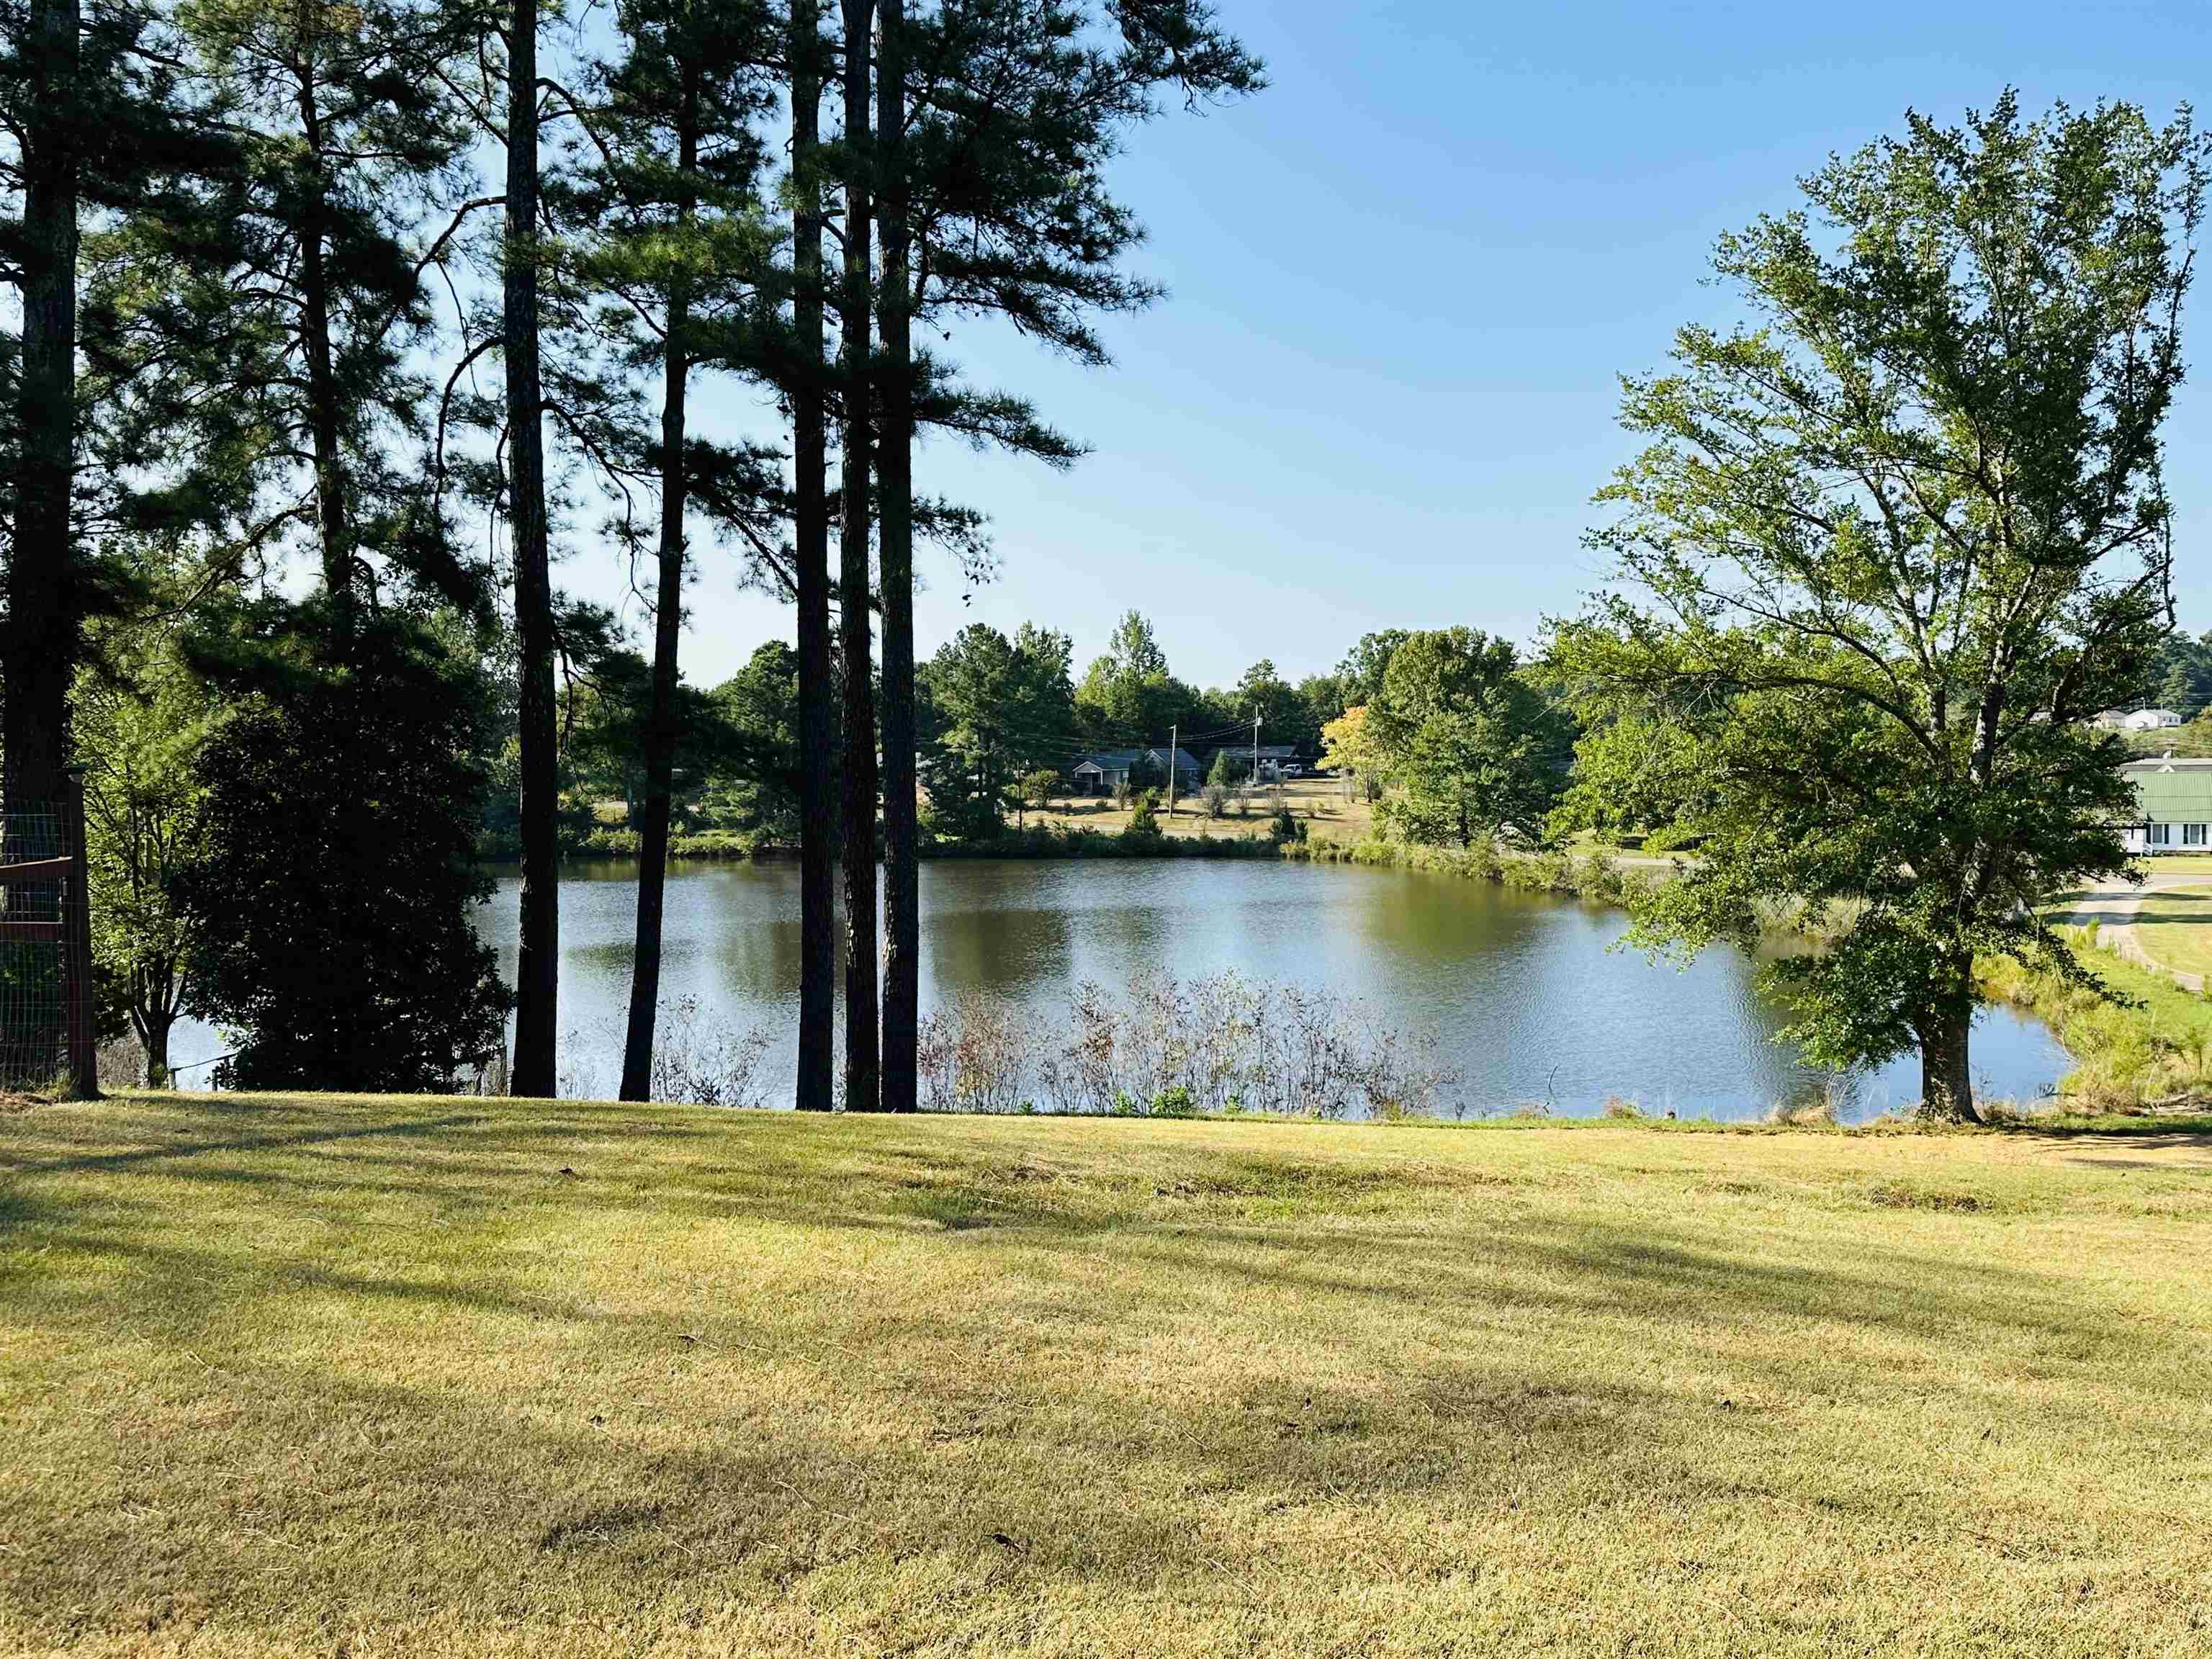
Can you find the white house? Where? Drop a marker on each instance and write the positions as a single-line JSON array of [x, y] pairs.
[[2135, 719], [2173, 807]]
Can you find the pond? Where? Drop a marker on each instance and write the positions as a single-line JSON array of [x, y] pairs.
[[1521, 992]]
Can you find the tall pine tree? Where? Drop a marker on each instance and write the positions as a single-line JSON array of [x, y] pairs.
[[537, 964], [856, 380], [681, 254], [818, 714], [998, 120]]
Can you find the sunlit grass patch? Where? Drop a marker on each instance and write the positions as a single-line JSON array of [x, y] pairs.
[[471, 1377]]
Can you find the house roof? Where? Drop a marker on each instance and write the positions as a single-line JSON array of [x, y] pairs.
[[2172, 791], [1120, 760]]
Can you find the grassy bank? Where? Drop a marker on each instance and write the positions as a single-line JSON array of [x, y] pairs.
[[1590, 873], [1584, 873], [471, 1377], [2153, 1049], [2170, 926]]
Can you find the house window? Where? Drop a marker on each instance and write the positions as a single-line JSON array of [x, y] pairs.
[[2192, 835], [2161, 834]]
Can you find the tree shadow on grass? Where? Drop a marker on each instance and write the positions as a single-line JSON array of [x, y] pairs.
[[663, 1433]]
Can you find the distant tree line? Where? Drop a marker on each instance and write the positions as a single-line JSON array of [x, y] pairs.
[[1460, 744]]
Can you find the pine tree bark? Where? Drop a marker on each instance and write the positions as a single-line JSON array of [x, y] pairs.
[[331, 526], [895, 518], [818, 724], [667, 634], [43, 607], [538, 967], [859, 827]]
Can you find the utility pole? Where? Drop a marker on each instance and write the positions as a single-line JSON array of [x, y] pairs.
[[1174, 733], [1255, 746]]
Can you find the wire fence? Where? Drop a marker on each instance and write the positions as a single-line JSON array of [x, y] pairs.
[[46, 995]]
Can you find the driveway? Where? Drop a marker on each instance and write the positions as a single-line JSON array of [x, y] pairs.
[[2112, 905]]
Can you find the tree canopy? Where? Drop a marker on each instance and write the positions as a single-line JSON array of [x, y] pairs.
[[1891, 544]]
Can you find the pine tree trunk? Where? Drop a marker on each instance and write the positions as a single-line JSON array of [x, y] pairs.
[[862, 1080], [894, 515], [667, 631], [323, 423], [42, 605], [537, 968], [818, 724], [1946, 1079]]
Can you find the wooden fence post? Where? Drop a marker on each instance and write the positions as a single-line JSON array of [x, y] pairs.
[[76, 943]]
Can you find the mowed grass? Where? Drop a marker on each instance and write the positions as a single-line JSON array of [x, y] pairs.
[[458, 1376], [1321, 804], [2174, 926]]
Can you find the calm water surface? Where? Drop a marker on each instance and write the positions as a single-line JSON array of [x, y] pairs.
[[1520, 990]]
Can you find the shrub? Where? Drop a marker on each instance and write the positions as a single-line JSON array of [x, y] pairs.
[[705, 1064], [333, 905], [1167, 1047]]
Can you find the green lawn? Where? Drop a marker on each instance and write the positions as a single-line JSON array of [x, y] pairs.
[[455, 1376], [2175, 927]]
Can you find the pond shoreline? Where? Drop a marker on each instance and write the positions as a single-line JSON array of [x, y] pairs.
[[1598, 874]]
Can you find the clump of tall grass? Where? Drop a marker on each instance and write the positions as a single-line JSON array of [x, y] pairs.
[[698, 1059], [1218, 1043], [2150, 1049], [707, 1062]]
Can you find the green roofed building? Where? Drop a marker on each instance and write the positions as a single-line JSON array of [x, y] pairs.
[[2173, 803]]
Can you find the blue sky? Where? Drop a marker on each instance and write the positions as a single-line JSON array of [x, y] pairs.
[[1403, 281]]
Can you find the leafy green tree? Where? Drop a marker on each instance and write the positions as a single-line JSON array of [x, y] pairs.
[[1037, 788], [1127, 696], [1887, 553], [355, 166], [993, 710], [753, 780], [608, 710], [330, 908], [2183, 676], [1285, 714], [1471, 749], [1359, 676], [142, 716], [1324, 699]]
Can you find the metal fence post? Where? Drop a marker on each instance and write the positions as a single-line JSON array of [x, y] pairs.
[[76, 943]]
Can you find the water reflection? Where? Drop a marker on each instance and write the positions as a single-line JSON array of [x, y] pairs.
[[1524, 992]]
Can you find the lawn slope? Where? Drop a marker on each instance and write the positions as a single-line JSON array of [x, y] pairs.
[[466, 1376]]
